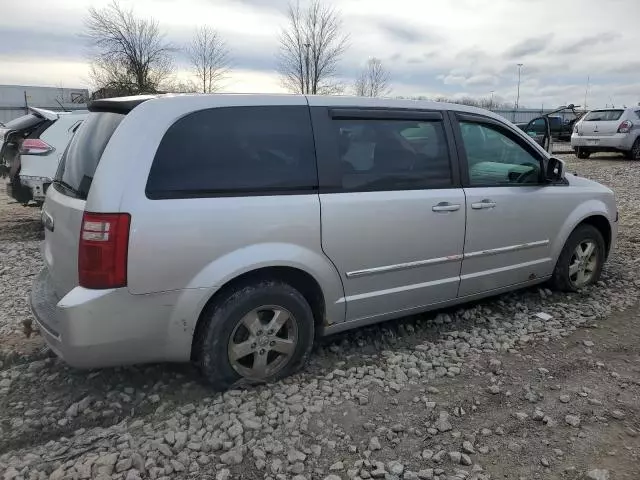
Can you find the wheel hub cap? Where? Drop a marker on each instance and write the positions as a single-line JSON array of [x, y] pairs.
[[583, 263], [263, 342]]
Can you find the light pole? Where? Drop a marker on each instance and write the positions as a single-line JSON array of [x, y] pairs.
[[518, 96]]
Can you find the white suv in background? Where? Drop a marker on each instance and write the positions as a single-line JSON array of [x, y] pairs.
[[608, 130], [30, 150]]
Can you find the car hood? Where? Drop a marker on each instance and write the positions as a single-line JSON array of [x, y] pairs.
[[577, 181]]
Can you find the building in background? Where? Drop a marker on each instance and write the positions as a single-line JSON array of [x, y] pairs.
[[15, 99]]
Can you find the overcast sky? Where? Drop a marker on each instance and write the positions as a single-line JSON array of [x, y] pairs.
[[449, 47]]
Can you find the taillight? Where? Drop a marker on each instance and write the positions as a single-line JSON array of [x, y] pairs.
[[625, 127], [102, 255], [35, 146]]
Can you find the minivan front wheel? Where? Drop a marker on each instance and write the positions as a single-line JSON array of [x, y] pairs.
[[258, 333], [580, 263]]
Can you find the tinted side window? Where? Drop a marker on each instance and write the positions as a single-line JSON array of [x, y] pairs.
[[494, 159], [392, 154], [537, 126], [235, 151], [80, 160]]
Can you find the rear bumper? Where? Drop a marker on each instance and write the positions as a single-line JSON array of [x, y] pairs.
[[621, 142], [103, 328]]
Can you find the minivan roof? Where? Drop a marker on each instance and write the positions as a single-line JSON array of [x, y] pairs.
[[125, 104]]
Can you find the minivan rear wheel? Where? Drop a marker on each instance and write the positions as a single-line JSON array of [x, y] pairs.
[[581, 260], [258, 333]]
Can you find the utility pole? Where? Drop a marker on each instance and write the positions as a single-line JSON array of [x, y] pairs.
[[518, 96], [586, 92]]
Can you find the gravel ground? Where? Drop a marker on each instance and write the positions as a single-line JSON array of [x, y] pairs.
[[492, 390]]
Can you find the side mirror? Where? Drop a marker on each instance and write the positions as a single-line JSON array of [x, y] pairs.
[[555, 170]]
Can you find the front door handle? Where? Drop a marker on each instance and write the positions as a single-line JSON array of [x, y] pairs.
[[486, 203], [446, 207]]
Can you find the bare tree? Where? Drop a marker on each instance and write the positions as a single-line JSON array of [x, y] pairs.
[[176, 85], [131, 53], [373, 80], [209, 58], [311, 46], [483, 102]]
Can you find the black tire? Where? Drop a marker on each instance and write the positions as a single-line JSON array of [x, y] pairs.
[[561, 279], [634, 153], [582, 153], [224, 315]]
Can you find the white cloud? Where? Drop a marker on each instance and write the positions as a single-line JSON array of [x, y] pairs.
[[43, 71]]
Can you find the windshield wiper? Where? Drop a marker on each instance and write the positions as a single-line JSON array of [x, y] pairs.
[[66, 186]]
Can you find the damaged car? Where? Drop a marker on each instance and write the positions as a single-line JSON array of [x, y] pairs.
[[30, 151]]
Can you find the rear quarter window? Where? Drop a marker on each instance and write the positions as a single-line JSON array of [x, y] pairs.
[[81, 158], [236, 151]]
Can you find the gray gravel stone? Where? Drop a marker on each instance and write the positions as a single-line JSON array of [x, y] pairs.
[[455, 457], [224, 474], [572, 420], [597, 474], [493, 389], [467, 447], [426, 474], [395, 468], [232, 457], [442, 424], [374, 444]]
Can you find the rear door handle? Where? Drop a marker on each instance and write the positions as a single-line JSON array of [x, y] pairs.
[[446, 207], [483, 204]]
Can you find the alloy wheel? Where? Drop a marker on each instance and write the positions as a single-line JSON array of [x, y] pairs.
[[263, 342], [583, 263]]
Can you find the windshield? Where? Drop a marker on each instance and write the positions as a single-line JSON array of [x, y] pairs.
[[82, 156], [603, 115]]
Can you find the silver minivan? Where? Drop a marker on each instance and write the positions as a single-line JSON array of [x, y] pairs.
[[230, 230]]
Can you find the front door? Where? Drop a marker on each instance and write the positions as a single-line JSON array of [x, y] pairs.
[[511, 212], [539, 129], [393, 213]]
